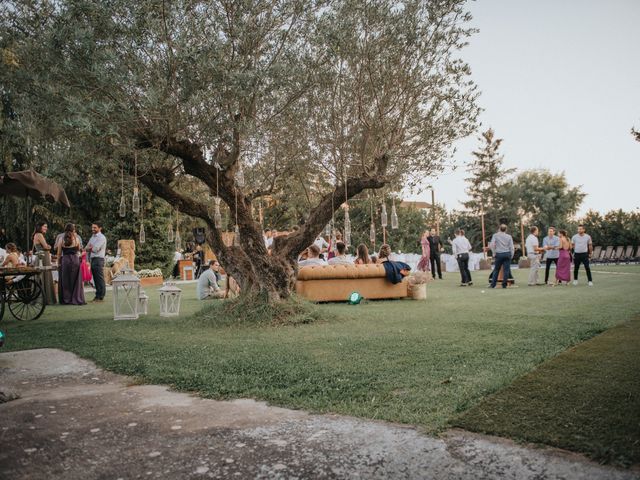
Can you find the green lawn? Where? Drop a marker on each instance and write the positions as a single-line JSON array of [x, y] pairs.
[[414, 362], [586, 399]]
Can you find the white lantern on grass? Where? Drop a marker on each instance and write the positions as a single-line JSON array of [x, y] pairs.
[[126, 292], [143, 303], [170, 296]]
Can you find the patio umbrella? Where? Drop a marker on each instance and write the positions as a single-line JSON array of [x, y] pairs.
[[30, 184]]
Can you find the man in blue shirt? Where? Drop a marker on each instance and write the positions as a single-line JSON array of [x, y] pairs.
[[503, 250], [97, 249], [551, 246]]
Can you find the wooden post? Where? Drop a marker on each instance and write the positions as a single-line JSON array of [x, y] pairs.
[[484, 236]]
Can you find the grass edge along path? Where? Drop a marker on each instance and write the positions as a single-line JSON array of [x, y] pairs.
[[587, 400]]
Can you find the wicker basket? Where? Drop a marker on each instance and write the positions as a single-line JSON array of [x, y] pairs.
[[418, 292]]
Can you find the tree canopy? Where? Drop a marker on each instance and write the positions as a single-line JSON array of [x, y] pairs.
[[240, 100]]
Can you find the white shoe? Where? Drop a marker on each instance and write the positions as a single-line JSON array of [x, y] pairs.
[[591, 284], [575, 282]]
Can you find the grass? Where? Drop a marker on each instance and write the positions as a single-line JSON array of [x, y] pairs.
[[586, 399], [421, 363]]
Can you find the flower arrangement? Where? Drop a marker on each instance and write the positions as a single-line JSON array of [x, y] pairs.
[[148, 273], [419, 278]]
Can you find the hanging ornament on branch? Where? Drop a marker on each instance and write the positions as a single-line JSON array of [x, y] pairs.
[[123, 203], [177, 239], [217, 216], [394, 216], [143, 236], [236, 229], [383, 215], [135, 205]]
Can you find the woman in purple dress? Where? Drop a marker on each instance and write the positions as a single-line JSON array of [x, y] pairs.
[[70, 288], [563, 270]]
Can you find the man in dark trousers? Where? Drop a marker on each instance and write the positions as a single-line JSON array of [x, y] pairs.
[[435, 246], [97, 249]]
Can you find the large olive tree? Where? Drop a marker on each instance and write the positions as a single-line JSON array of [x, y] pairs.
[[327, 97]]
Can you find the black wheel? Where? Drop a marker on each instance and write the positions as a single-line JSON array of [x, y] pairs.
[[25, 299]]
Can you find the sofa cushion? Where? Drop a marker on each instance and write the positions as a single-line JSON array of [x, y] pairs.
[[319, 272]]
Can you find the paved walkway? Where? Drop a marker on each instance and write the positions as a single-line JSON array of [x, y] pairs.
[[75, 421]]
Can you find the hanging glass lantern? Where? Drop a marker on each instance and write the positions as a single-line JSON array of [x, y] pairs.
[[143, 236], [178, 240], [135, 206], [236, 236], [170, 232], [347, 228], [372, 233], [383, 216], [327, 230], [240, 175], [123, 206], [394, 217], [217, 216]]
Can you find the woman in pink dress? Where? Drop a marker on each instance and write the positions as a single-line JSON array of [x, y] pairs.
[[563, 270], [424, 265]]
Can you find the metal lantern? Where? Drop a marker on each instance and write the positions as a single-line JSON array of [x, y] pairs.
[[372, 233], [327, 230], [123, 206], [178, 240], [143, 303], [126, 292], [170, 296], [135, 205], [394, 217], [383, 216]]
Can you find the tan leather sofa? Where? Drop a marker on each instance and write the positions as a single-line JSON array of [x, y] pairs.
[[330, 283]]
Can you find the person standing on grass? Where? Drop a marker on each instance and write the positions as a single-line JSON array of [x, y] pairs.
[[533, 254], [582, 249], [97, 249], [502, 246], [551, 247], [563, 270], [461, 249], [425, 259], [435, 246]]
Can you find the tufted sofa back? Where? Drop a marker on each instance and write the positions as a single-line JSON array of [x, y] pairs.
[[322, 272]]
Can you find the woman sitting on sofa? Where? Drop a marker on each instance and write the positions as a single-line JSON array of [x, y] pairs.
[[395, 271], [363, 255]]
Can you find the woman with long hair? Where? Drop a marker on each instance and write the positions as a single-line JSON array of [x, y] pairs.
[[43, 252], [362, 257], [425, 265], [563, 268], [70, 288], [384, 253]]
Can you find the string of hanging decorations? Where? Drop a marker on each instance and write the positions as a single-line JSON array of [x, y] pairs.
[[135, 204], [347, 221], [239, 183], [123, 203], [143, 236]]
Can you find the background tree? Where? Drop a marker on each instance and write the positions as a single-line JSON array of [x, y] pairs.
[[487, 192], [341, 96], [545, 199]]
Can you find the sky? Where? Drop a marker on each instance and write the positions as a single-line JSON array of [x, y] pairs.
[[560, 83]]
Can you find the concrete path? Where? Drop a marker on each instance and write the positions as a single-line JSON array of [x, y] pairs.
[[75, 421]]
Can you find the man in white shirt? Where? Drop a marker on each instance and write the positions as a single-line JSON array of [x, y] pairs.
[[461, 248], [341, 257], [321, 243], [582, 249], [208, 282], [97, 249], [313, 257], [532, 245]]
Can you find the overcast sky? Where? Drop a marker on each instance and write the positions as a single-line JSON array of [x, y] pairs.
[[560, 82]]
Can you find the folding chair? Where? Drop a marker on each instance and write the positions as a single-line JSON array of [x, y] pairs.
[[595, 256], [607, 255], [636, 257], [628, 254], [617, 254]]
